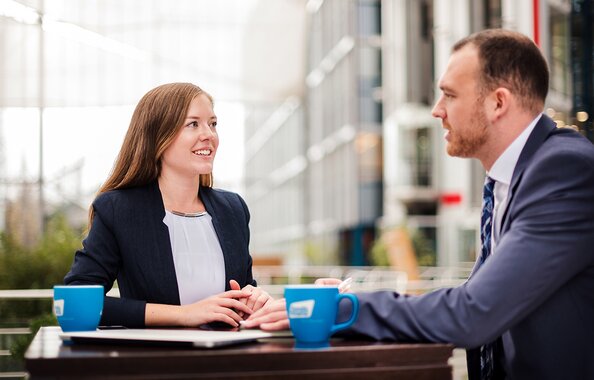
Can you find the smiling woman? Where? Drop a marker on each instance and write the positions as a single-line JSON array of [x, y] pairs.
[[193, 150], [177, 247]]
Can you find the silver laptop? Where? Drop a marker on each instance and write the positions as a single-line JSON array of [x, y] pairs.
[[194, 338]]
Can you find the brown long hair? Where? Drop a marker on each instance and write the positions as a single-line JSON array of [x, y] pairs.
[[159, 115], [512, 60]]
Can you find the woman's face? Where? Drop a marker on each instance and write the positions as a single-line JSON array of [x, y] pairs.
[[193, 150]]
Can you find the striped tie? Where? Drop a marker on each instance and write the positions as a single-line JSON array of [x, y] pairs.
[[487, 218], [486, 351]]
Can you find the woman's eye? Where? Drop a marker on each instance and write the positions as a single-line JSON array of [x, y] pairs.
[[213, 124], [193, 124]]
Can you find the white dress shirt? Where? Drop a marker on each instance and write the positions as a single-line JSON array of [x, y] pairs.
[[502, 172]]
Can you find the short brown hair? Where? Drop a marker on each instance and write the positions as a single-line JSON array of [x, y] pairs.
[[510, 59], [159, 115]]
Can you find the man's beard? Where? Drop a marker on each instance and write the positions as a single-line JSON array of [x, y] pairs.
[[468, 142]]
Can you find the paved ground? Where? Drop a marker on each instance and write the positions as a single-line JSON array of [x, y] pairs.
[[458, 362]]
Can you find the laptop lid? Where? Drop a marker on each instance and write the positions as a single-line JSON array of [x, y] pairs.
[[195, 338]]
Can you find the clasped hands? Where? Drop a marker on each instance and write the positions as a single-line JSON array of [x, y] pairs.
[[233, 306], [273, 315], [230, 307]]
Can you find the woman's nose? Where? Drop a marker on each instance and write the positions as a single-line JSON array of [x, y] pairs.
[[205, 131]]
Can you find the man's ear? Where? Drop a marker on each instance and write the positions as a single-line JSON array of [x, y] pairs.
[[497, 103]]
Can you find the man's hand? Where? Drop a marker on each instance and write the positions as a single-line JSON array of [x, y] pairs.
[[272, 317], [255, 301]]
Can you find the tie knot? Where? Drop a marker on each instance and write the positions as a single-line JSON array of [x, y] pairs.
[[488, 188], [488, 204]]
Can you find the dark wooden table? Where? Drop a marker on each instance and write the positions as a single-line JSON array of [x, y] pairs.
[[274, 358]]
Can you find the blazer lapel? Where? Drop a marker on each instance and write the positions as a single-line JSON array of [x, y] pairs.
[[163, 240], [540, 133]]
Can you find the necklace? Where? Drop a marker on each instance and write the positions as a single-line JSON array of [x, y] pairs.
[[189, 214]]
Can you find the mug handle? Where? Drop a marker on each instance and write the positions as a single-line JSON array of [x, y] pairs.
[[354, 312]]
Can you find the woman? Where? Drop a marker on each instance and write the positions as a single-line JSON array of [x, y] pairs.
[[177, 247]]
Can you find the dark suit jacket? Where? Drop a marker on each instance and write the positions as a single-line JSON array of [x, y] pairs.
[[536, 290], [128, 241]]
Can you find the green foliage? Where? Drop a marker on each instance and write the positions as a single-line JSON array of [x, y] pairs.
[[42, 266], [314, 253], [19, 312], [21, 343], [426, 255], [422, 246], [379, 253]]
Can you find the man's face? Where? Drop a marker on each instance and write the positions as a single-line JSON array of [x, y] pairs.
[[461, 106]]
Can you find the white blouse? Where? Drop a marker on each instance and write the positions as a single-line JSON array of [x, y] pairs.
[[197, 255]]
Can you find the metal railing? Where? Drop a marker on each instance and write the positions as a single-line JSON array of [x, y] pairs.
[[5, 355], [274, 278]]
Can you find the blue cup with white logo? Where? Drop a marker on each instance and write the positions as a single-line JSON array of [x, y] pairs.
[[78, 307], [312, 311]]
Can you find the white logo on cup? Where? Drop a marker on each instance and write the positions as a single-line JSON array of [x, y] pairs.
[[301, 309], [59, 307]]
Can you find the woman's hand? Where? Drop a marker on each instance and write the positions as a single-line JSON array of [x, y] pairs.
[[224, 307], [256, 300], [272, 317]]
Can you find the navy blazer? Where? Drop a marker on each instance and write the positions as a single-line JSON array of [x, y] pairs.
[[128, 241], [536, 291]]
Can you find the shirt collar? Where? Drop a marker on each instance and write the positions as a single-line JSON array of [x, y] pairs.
[[503, 168]]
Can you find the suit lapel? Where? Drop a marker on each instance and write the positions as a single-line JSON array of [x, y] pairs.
[[540, 133], [163, 240]]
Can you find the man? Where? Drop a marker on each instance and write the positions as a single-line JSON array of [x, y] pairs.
[[527, 310]]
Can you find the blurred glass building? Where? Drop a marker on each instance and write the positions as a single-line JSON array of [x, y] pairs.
[[314, 163], [359, 155]]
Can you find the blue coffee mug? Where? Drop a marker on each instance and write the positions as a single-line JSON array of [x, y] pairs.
[[312, 311], [78, 307]]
